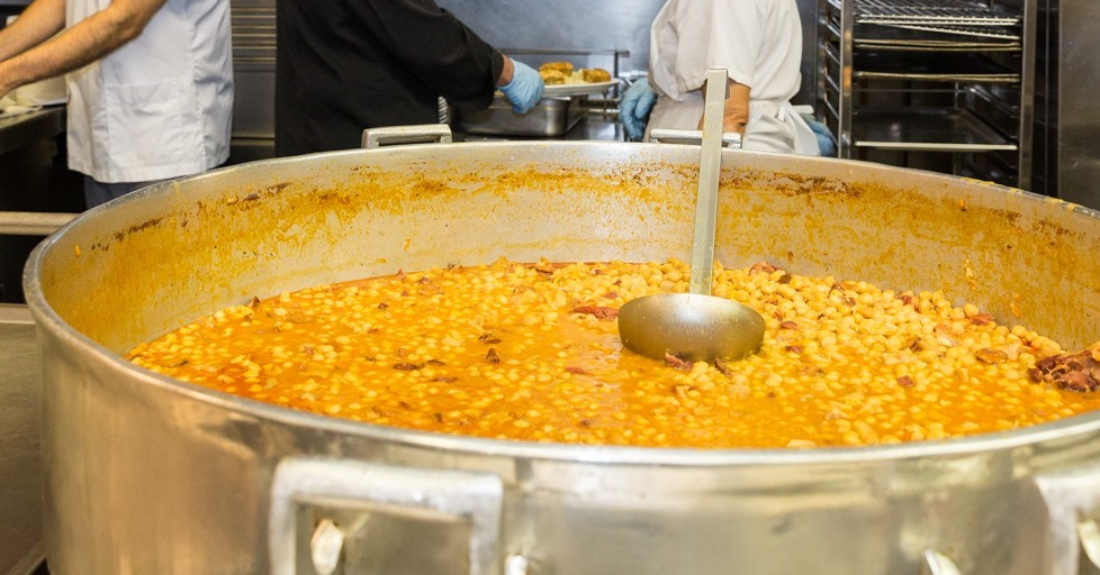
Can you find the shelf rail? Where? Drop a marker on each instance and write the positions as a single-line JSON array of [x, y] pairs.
[[32, 223]]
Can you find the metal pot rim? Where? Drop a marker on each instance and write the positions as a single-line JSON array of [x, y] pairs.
[[48, 319]]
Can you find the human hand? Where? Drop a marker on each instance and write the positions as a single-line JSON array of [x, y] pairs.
[[634, 110], [525, 88]]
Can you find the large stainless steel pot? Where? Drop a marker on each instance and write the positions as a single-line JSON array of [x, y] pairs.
[[150, 475]]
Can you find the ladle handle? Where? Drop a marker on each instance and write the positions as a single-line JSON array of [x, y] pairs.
[[710, 167]]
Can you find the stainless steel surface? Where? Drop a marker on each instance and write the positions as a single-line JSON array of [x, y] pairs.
[[900, 39], [21, 532], [19, 131], [253, 29], [710, 169], [551, 118], [1072, 53], [395, 135], [936, 129], [959, 12], [691, 137], [690, 327], [597, 126], [897, 53], [945, 67], [177, 467], [695, 326], [301, 482], [32, 223]]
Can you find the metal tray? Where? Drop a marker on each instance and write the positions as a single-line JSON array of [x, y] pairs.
[[944, 67], [881, 37], [551, 118]]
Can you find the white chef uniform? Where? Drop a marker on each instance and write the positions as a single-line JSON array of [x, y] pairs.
[[758, 41], [160, 106]]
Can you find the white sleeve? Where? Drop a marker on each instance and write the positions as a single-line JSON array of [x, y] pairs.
[[717, 34]]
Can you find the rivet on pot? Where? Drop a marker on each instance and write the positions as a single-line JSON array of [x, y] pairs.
[[325, 547]]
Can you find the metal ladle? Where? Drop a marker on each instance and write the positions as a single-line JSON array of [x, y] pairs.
[[696, 326]]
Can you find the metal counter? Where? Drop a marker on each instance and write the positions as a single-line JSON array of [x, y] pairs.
[[20, 131]]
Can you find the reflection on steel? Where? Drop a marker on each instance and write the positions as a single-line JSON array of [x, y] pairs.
[[1090, 540], [939, 564], [32, 223]]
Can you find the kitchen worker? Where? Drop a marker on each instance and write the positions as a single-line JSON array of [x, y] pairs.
[[355, 64], [150, 84], [759, 43]]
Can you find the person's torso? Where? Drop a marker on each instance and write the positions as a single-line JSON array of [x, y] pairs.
[[334, 79], [771, 55], [160, 106], [688, 36]]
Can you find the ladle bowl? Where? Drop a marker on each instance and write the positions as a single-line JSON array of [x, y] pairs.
[[696, 326], [690, 327]]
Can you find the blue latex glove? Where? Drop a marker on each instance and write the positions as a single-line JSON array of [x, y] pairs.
[[825, 141], [634, 110], [525, 89]]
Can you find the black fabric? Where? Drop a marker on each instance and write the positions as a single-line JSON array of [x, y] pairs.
[[346, 65]]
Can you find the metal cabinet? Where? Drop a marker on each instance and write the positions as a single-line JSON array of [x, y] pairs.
[[936, 84]]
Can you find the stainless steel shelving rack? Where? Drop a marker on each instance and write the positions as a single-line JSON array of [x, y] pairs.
[[899, 79]]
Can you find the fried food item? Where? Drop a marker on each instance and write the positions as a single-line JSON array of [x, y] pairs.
[[566, 68], [552, 77], [593, 75]]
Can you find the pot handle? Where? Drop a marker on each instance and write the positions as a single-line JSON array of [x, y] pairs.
[[394, 135], [691, 137], [300, 480], [1073, 504]]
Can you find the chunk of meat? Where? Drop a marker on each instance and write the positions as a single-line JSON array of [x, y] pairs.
[[1070, 371]]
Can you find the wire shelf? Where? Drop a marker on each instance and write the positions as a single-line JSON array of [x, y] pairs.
[[931, 12]]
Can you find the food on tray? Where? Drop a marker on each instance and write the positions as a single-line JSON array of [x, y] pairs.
[[555, 73], [594, 75], [531, 352], [565, 68], [553, 77]]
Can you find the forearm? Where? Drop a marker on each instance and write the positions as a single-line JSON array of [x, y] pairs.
[[506, 72], [38, 22], [88, 41]]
